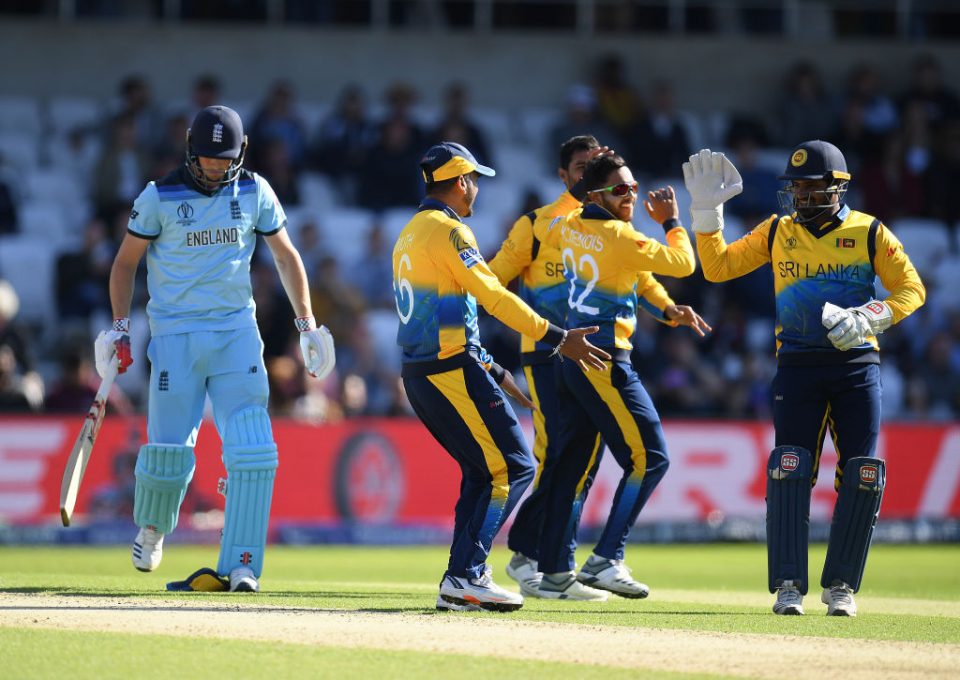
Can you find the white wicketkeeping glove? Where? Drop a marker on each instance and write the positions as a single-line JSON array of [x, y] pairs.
[[319, 356], [711, 180], [852, 326]]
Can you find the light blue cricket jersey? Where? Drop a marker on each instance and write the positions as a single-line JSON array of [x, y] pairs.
[[198, 264]]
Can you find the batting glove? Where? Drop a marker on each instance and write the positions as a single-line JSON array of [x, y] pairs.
[[113, 344], [316, 345], [711, 180], [851, 327]]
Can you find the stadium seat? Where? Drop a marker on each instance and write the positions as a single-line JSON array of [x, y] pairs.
[[316, 191], [382, 327], [44, 221], [345, 233], [496, 124], [27, 262], [21, 115], [926, 241], [695, 129], [535, 124], [19, 151], [69, 113]]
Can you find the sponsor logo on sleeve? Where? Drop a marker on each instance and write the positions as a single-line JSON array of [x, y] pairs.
[[470, 257]]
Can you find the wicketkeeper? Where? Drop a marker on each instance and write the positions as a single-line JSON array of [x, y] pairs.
[[825, 258]]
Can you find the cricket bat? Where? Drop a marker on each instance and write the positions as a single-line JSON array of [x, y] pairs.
[[83, 447]]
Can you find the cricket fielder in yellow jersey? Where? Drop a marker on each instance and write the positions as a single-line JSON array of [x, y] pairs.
[[602, 256], [825, 258], [543, 287], [452, 383]]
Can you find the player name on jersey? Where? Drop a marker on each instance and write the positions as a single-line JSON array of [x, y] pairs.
[[808, 270], [210, 237]]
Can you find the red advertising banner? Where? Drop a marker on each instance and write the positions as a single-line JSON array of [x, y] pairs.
[[392, 471]]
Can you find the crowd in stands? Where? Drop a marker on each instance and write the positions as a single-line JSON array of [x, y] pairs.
[[346, 171]]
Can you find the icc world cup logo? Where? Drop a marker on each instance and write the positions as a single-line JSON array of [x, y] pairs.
[[185, 211]]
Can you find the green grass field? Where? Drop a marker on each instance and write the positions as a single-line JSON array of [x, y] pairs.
[[911, 594]]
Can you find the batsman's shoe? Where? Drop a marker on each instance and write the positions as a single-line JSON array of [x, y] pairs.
[[444, 606], [147, 549], [612, 575], [839, 600], [481, 592], [523, 570], [565, 586], [789, 600], [242, 580]]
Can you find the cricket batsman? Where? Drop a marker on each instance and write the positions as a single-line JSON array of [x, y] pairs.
[[825, 257], [198, 227]]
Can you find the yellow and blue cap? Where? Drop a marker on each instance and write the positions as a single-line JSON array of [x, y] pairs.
[[447, 160]]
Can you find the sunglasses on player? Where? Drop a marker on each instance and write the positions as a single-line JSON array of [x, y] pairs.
[[620, 189]]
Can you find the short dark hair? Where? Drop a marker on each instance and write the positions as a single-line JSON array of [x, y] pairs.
[[434, 188], [575, 144], [599, 168]]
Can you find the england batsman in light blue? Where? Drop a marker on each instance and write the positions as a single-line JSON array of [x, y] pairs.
[[198, 227]]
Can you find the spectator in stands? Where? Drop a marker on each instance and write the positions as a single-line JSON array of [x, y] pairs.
[[170, 151], [309, 241], [278, 119], [944, 178], [206, 91], [805, 111], [389, 177], [618, 103], [373, 273], [686, 384], [581, 118], [122, 168], [278, 167], [760, 184], [75, 389], [83, 276], [889, 188], [457, 126], [273, 309], [927, 89], [344, 141], [879, 112], [16, 395], [136, 101], [335, 300], [935, 391], [17, 336], [659, 144], [8, 206]]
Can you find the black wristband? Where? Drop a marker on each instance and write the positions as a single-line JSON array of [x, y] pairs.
[[497, 372], [670, 224], [554, 336]]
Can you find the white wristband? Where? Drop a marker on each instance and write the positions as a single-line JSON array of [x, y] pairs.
[[305, 323]]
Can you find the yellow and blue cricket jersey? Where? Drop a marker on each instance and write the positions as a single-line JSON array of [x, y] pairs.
[[604, 261], [836, 262], [541, 271], [439, 276]]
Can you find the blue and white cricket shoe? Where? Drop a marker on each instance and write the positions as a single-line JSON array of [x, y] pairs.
[[147, 549], [242, 580], [789, 600], [523, 570], [839, 600], [463, 592], [612, 576]]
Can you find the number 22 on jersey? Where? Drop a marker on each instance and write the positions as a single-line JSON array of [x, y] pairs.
[[578, 271]]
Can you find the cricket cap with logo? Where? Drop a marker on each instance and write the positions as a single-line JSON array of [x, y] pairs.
[[447, 160], [816, 159], [217, 132]]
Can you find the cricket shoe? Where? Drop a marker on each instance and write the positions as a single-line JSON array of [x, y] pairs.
[[839, 600], [789, 600], [611, 575], [479, 592], [565, 586], [445, 606], [147, 549], [242, 580], [523, 570]]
